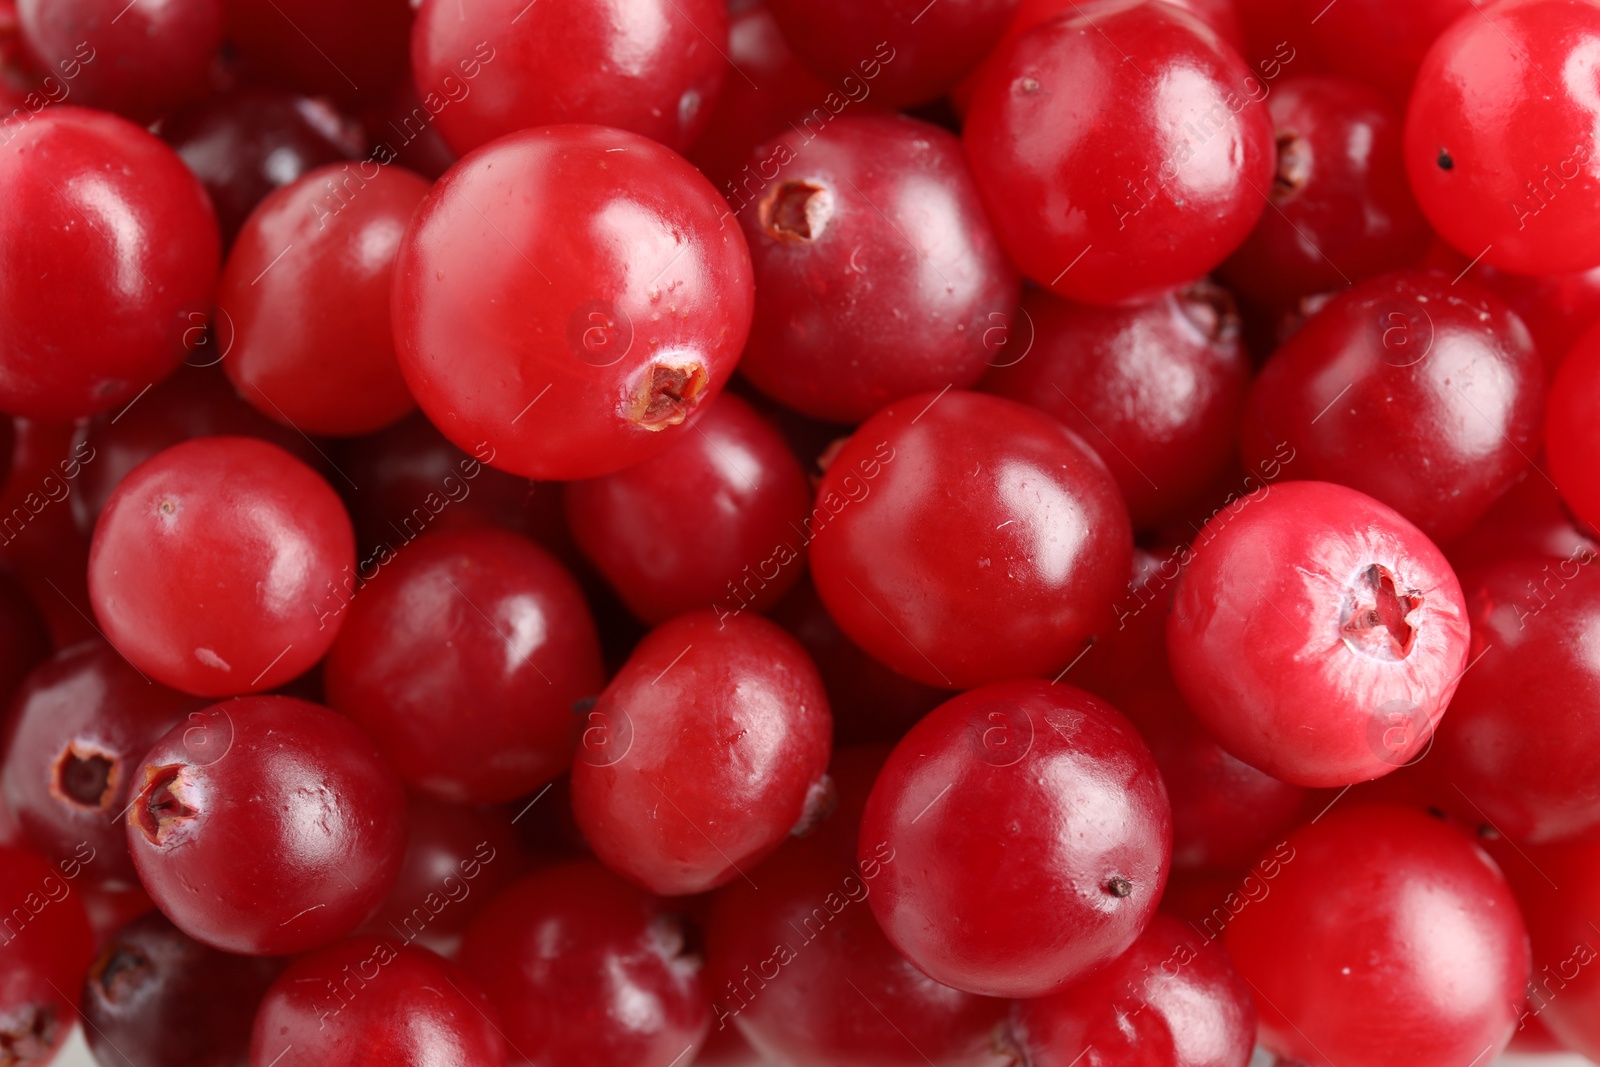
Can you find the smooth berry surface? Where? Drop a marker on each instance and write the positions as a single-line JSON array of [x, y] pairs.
[[1342, 40], [964, 539], [351, 50], [998, 884], [1572, 439], [212, 561], [322, 812], [708, 747], [569, 295], [47, 947]]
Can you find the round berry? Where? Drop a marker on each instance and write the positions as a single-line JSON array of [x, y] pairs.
[[46, 950], [1572, 438]]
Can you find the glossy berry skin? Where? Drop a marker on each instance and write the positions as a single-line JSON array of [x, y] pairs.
[[1030, 836], [615, 295], [351, 50], [367, 1001], [651, 67], [156, 995], [312, 344], [210, 562], [462, 659], [80, 725], [1182, 157], [1531, 620], [324, 815], [1317, 634], [708, 747], [903, 53], [964, 539], [1529, 520], [1171, 1000], [1155, 389], [139, 62], [1572, 441], [41, 544], [96, 198], [1387, 937], [1343, 208], [244, 144], [1563, 993], [875, 212], [588, 970], [1500, 153], [777, 965], [1343, 42], [1423, 394], [710, 522], [45, 951]]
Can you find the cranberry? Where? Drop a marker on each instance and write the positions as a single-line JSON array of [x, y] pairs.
[[1531, 623], [312, 345], [93, 197], [463, 660], [370, 1000], [1155, 389], [1341, 208], [897, 51], [798, 962], [1528, 520], [457, 860], [45, 948], [1573, 440], [587, 969], [1024, 835], [110, 909], [632, 300], [1386, 937], [352, 50], [963, 539], [323, 815], [139, 62], [707, 748], [1120, 153], [1499, 140], [243, 145], [211, 563], [1344, 42], [402, 131], [24, 638], [651, 67], [39, 541], [81, 723], [1172, 1000], [156, 995], [710, 522], [1317, 634], [1425, 394]]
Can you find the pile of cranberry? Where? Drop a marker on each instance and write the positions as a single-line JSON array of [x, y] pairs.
[[1134, 606]]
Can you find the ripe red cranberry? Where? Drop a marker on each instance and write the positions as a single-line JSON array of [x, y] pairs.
[[587, 969], [632, 300], [80, 725], [1572, 439], [709, 523], [1532, 619], [875, 212], [1341, 208], [39, 542], [896, 54], [244, 144], [195, 401], [212, 562], [651, 67], [1425, 394], [1174, 999], [306, 290], [1155, 389], [1120, 153], [797, 962], [45, 948], [95, 198], [24, 637], [1024, 835], [370, 1000], [457, 860], [323, 814], [462, 659], [1317, 634], [964, 539], [1387, 937], [1528, 520], [351, 50], [111, 909], [402, 131], [156, 995], [1500, 141], [1342, 40], [139, 62], [708, 747]]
